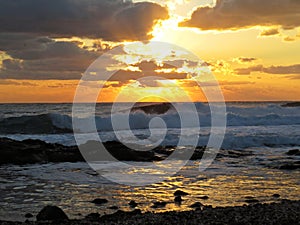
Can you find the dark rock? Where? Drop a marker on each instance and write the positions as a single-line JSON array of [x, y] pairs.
[[291, 104], [178, 199], [293, 152], [196, 205], [159, 205], [93, 216], [180, 193], [276, 195], [251, 200], [36, 151], [205, 197], [99, 201], [132, 204], [51, 213], [116, 149], [120, 215], [154, 108], [113, 207], [290, 166], [28, 215]]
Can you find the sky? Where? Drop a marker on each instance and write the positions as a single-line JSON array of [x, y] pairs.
[[249, 48]]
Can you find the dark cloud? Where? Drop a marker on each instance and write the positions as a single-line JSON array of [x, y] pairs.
[[292, 69], [246, 59], [236, 14], [111, 20], [270, 32], [41, 58]]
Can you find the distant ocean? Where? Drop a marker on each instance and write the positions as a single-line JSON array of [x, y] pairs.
[[249, 124], [264, 131]]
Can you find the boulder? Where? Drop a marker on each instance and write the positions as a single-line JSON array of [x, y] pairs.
[[100, 201], [293, 152], [132, 204], [93, 216], [51, 213], [178, 199], [159, 205], [180, 193]]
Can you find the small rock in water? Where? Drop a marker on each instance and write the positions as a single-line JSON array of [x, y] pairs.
[[93, 216], [178, 199], [196, 205], [276, 196], [180, 193], [159, 205], [132, 204], [290, 166], [99, 201], [293, 152], [205, 197], [51, 213], [28, 215], [251, 200]]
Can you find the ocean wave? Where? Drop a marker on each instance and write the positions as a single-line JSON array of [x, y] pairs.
[[272, 115]]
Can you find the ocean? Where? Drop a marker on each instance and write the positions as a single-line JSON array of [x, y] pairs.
[[261, 133]]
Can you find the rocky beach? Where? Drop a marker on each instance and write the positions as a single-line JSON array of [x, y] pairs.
[[284, 213]]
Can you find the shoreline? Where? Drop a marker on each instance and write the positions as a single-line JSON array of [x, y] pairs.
[[284, 213]]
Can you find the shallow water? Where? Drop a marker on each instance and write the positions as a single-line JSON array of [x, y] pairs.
[[73, 186]]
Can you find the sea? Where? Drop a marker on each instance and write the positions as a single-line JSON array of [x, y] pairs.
[[262, 132]]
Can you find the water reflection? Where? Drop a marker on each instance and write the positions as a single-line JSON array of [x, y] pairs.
[[73, 186]]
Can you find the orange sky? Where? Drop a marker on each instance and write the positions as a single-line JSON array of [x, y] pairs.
[[253, 60]]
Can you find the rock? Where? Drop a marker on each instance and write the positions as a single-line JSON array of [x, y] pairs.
[[120, 215], [51, 213], [290, 166], [196, 205], [251, 200], [276, 196], [178, 199], [291, 104], [180, 193], [205, 197], [113, 207], [132, 204], [28, 215], [116, 149], [159, 205], [36, 151], [99, 201], [293, 152], [93, 216]]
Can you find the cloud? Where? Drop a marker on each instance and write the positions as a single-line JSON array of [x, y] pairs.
[[237, 14], [289, 39], [292, 69], [42, 58], [112, 20], [246, 59], [17, 83], [270, 32]]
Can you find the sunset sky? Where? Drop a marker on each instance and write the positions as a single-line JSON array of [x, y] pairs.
[[252, 47]]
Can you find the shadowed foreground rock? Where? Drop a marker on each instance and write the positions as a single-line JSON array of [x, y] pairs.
[[284, 213], [51, 213], [36, 151]]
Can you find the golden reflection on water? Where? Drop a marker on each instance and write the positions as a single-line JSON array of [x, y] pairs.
[[224, 188]]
